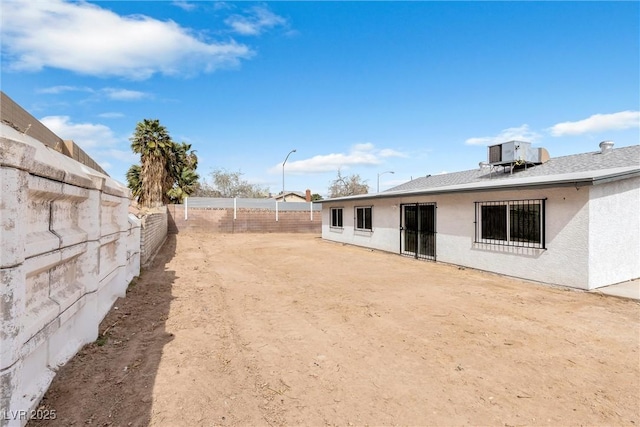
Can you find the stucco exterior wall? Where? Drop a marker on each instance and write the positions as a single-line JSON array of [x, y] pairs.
[[68, 249], [564, 262], [614, 225]]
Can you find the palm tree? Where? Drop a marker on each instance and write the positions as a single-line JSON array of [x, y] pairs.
[[168, 169], [152, 141], [182, 179], [134, 180]]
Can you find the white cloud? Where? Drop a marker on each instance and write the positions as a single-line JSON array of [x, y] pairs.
[[110, 151], [598, 123], [54, 90], [221, 5], [123, 94], [86, 135], [111, 115], [88, 39], [520, 133], [185, 5], [111, 93], [388, 152], [359, 155], [126, 156], [259, 18]]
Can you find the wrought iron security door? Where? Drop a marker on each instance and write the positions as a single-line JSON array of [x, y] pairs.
[[418, 230]]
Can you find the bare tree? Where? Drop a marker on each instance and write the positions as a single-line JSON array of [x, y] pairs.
[[229, 184], [347, 186]]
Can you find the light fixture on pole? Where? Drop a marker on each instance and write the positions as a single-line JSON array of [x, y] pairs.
[[382, 173], [283, 163]]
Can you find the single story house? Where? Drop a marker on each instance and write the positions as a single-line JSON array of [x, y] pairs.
[[294, 196], [571, 221]]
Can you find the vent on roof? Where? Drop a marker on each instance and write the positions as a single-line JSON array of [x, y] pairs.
[[516, 153], [605, 146]]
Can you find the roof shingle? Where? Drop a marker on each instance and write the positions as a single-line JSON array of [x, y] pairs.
[[585, 162]]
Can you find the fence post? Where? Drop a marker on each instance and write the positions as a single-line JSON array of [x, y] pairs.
[[311, 210], [186, 209], [235, 205], [276, 211]]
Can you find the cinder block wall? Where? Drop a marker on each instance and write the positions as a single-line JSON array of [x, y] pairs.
[[153, 235], [247, 221], [68, 249]]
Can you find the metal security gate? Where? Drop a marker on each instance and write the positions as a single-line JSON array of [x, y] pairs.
[[418, 230]]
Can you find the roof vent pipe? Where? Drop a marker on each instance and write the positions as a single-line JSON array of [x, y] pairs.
[[606, 146]]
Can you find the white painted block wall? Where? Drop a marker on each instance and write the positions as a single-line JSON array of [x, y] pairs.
[[68, 249], [154, 233]]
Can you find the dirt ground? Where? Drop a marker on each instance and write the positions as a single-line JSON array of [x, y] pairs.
[[279, 329]]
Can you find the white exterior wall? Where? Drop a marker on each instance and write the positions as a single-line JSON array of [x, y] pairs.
[[385, 221], [564, 262], [614, 226], [68, 249]]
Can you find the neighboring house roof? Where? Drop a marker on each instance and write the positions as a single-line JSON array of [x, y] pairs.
[[578, 169], [291, 193]]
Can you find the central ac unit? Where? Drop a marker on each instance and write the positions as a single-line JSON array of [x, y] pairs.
[[515, 152]]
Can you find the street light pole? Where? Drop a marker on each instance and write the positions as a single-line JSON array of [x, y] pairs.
[[382, 173], [283, 163]]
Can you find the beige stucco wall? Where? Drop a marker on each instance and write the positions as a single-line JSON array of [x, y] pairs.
[[68, 249]]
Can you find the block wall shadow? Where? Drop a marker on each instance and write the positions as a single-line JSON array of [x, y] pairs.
[[111, 381]]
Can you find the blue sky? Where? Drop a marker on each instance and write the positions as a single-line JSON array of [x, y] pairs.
[[412, 87]]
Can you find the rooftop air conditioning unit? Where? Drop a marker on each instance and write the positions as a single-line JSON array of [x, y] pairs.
[[515, 152]]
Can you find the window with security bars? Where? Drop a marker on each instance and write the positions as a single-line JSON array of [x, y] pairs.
[[336, 217], [511, 223], [363, 218]]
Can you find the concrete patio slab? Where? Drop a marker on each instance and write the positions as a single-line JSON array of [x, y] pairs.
[[629, 289]]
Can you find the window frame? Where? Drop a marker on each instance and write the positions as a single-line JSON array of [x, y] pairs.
[[356, 221], [528, 214], [340, 217]]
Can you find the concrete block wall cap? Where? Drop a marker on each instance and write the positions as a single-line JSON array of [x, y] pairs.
[[134, 220], [153, 211], [107, 184], [44, 162], [115, 188], [15, 154], [97, 178], [24, 152], [76, 173]]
